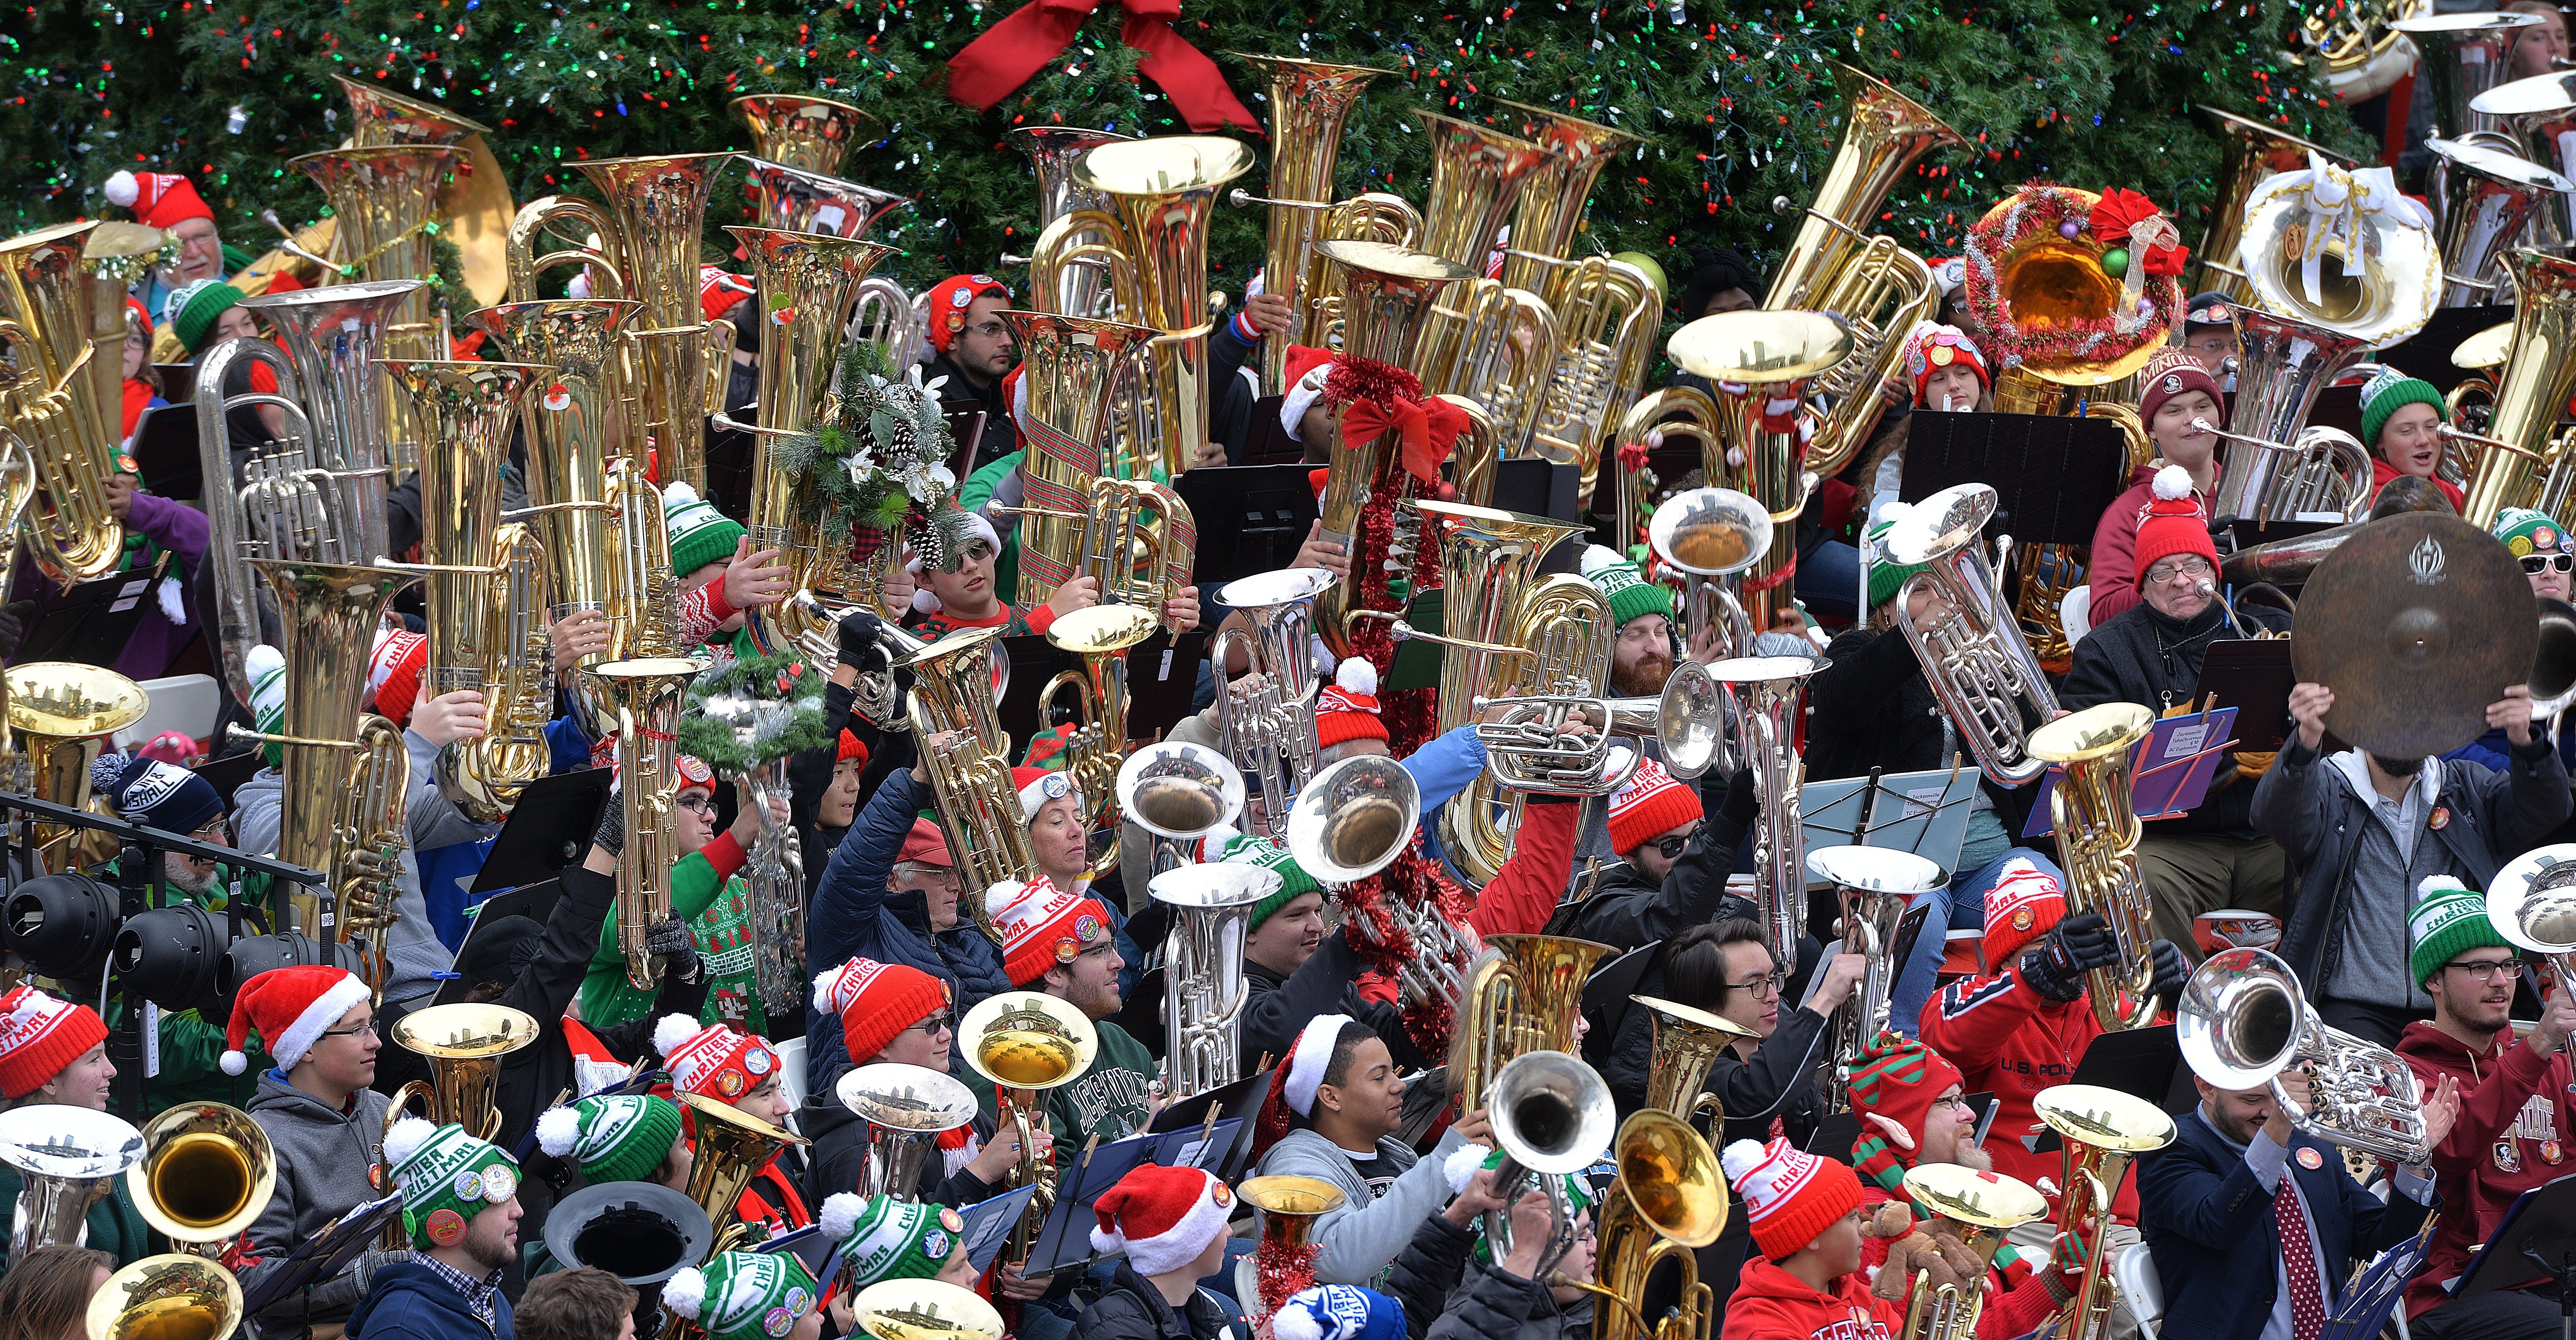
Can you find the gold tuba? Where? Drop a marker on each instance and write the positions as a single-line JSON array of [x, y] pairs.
[[732, 1147], [1203, 987], [1608, 315], [2103, 1131], [1309, 101], [206, 1174], [1523, 994], [1550, 210], [1687, 1043], [1073, 369], [1101, 636], [2098, 832], [60, 713], [979, 809], [1289, 1207], [1874, 886], [1982, 1207], [384, 202], [2242, 1020], [1773, 356], [464, 1045], [53, 403], [2538, 377], [1477, 173], [1671, 1202], [907, 1108], [1973, 652], [1083, 273], [1025, 1043], [168, 1297], [67, 1159]]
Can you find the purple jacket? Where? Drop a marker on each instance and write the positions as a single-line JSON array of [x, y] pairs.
[[173, 526]]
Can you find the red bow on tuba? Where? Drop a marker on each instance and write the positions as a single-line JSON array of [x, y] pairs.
[[995, 65], [1428, 430]]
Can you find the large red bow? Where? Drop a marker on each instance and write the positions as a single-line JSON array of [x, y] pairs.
[[1428, 430], [995, 65]]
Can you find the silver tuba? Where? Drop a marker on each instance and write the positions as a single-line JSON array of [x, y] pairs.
[[1269, 731], [69, 1157], [1874, 886], [1203, 986], [1973, 652], [1181, 793], [2242, 1020], [1763, 692], [907, 1108], [2324, 470], [2487, 195], [2287, 363], [1524, 750], [1711, 536]]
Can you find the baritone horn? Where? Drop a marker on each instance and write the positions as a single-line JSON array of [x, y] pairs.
[[732, 1147], [2532, 901], [1267, 728], [169, 1297], [51, 400], [464, 1044], [1973, 652], [1100, 636], [1979, 1208], [2103, 1131], [642, 699], [1025, 1043], [2098, 831], [2242, 1021], [1687, 1042], [1745, 439], [205, 1176], [1874, 886], [1181, 793], [1203, 987], [1765, 692], [1710, 536], [979, 809], [1671, 1202]]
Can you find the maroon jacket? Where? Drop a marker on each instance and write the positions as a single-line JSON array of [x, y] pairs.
[[2110, 569], [2513, 1134]]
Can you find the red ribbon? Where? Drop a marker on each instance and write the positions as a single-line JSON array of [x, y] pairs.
[[997, 64], [1429, 430]]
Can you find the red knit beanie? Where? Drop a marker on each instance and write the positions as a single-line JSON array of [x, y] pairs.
[[394, 671], [949, 300], [1347, 709], [1790, 1196], [2169, 374], [877, 1002], [2020, 908], [2171, 524], [39, 1035], [851, 747], [1649, 806], [1043, 926], [290, 1007]]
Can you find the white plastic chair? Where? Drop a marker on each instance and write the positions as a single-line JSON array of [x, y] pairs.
[[189, 704], [2075, 612], [2135, 1272]]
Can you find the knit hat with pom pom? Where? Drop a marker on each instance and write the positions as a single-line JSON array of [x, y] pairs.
[[1162, 1217], [2172, 523], [2390, 391], [2448, 921], [744, 1295], [267, 668], [446, 1178], [159, 199], [156, 794], [876, 1002], [1347, 709], [1790, 1196], [1339, 1312], [2170, 374], [699, 533], [1630, 595], [882, 1238], [614, 1138], [290, 1007], [712, 1062], [1885, 578], [39, 1035]]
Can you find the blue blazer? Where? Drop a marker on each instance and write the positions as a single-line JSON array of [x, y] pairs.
[[2209, 1225]]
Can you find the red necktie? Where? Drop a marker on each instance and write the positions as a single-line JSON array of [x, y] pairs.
[[2299, 1261]]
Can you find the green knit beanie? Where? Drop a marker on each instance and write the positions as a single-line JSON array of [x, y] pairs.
[[1271, 855], [617, 1138], [699, 533], [267, 667], [882, 1238], [191, 311], [446, 1177], [744, 1295], [2524, 532], [1885, 578], [2390, 392], [1630, 595], [2448, 919]]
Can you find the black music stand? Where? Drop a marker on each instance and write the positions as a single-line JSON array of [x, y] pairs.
[[165, 452], [1534, 487], [549, 828], [2142, 1063], [2254, 677], [323, 1255], [1268, 443], [536, 902], [2428, 353], [2531, 1245], [178, 382], [91, 622], [1162, 682], [987, 1227], [1251, 518], [2054, 475]]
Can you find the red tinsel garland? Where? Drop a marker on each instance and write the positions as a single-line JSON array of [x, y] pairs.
[[1281, 1271]]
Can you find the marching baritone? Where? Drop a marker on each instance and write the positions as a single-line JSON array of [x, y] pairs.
[[2513, 1132], [52, 1051], [460, 1206]]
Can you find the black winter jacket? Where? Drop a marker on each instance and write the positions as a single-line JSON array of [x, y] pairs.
[[1446, 1296], [1422, 1275], [1871, 707], [1626, 912], [2147, 658], [1276, 1008], [1131, 1308], [1777, 1082], [1001, 431], [2315, 815]]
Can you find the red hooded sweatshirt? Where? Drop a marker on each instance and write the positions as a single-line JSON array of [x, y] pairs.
[[1772, 1304], [2110, 570], [2020, 1299], [2513, 1134], [2009, 1040]]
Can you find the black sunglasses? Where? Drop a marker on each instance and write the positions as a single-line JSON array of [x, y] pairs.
[[2535, 564]]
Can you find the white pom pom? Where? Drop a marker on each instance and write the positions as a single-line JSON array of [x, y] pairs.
[[559, 1130], [1462, 1165], [924, 601], [823, 986], [124, 190], [579, 287], [672, 1031], [234, 1063], [262, 659], [167, 596], [1600, 556], [679, 493], [2434, 884], [1105, 1241], [1357, 675], [686, 1292], [841, 1213], [1296, 1321], [1740, 1158], [405, 1140], [2172, 482], [1891, 512]]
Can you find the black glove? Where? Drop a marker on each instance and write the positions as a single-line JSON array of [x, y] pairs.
[[858, 632], [13, 625], [610, 837], [2055, 967], [671, 941], [1742, 806], [2172, 971]]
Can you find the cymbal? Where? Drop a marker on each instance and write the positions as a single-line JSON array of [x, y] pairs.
[[2417, 623]]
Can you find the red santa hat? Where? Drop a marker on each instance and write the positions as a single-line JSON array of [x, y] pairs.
[[394, 671], [1347, 709], [2172, 524], [39, 1035], [877, 1002], [2020, 908], [1790, 1196], [1161, 1217], [1040, 785], [290, 1007], [1304, 378], [1649, 806], [1043, 926], [158, 199], [720, 292], [714, 1061]]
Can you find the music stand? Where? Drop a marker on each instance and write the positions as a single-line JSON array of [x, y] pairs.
[[92, 621], [227, 774], [323, 1255], [966, 431], [549, 828], [2254, 677], [1534, 487], [1251, 518], [2534, 1231], [1268, 442], [2140, 1062], [988, 1226], [1162, 682], [165, 452], [2428, 354], [1063, 1242], [1236, 1104], [536, 902], [178, 382], [2053, 475]]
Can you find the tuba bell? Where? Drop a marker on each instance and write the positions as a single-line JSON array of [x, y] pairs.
[[2373, 276], [2488, 195], [1874, 886], [1711, 536], [2459, 63], [205, 1176], [803, 131], [1982, 1207], [464, 1044], [1671, 1202], [907, 1108], [2255, 150], [1025, 1044], [170, 1297], [69, 1158], [1288, 1208], [1552, 1116], [1073, 370], [732, 1147], [1181, 793], [59, 716], [2242, 1020], [2103, 1131], [641, 1232], [1082, 276], [1973, 652], [2098, 832], [54, 402], [1203, 987], [1687, 1042], [1309, 101]]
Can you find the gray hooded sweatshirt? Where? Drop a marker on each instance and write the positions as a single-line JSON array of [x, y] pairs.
[[323, 1158], [1358, 1241]]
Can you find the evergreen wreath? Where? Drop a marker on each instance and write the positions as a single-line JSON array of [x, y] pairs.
[[2043, 210], [781, 678], [881, 462]]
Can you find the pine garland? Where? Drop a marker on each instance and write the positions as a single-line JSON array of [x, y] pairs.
[[781, 678], [881, 461]]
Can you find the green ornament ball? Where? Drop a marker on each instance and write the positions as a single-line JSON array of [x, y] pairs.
[[1648, 264], [2115, 262]]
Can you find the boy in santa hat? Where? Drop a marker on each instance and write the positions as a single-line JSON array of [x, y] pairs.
[[460, 1199], [2178, 391], [55, 1052], [1806, 1218], [1170, 1224]]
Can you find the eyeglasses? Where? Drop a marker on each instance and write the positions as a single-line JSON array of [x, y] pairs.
[[942, 1022], [1953, 1100], [1670, 848], [2535, 564], [701, 806], [212, 832], [368, 1029], [2172, 569], [1760, 986], [991, 330], [2482, 969]]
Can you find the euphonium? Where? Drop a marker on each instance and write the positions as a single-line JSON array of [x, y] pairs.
[[1269, 730], [1671, 1202], [1981, 1207], [1386, 291], [477, 571], [1764, 692], [979, 809], [464, 1045], [1566, 621], [1773, 356], [907, 1108], [641, 698], [925, 1310], [68, 1158], [1203, 986], [732, 1147], [1181, 793], [1026, 1043], [206, 1174], [1309, 101], [2254, 151], [2103, 1130], [1161, 191], [2286, 364], [1072, 369], [2242, 1020], [806, 282], [1973, 652], [802, 131], [53, 403], [1523, 994], [59, 715], [161, 1297], [1082, 279], [1710, 536], [2538, 377], [1496, 347], [2528, 901], [1101, 635], [2097, 833], [1874, 886], [1687, 1043], [1608, 315], [1552, 1117]]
